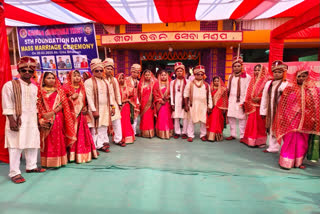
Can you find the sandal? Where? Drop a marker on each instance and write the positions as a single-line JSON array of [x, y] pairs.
[[37, 170], [18, 179], [184, 136]]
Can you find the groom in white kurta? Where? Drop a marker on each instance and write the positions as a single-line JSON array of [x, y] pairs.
[[269, 103], [198, 103], [237, 96], [100, 110], [116, 99], [19, 104], [177, 87]]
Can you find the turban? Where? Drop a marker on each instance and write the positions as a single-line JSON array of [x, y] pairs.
[[279, 65], [178, 65], [136, 67], [199, 69], [27, 62], [237, 59], [108, 62], [96, 63]]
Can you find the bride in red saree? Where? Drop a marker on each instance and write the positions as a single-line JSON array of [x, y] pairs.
[[215, 121], [297, 116], [56, 122], [145, 94], [255, 132], [127, 110], [164, 124], [83, 149]]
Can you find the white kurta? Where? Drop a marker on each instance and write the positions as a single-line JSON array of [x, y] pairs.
[[28, 135], [116, 98], [179, 112], [234, 108], [273, 144], [104, 105], [198, 111]]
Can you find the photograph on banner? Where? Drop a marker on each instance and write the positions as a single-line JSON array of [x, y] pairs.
[[59, 46], [62, 75], [38, 66], [80, 61], [63, 62]]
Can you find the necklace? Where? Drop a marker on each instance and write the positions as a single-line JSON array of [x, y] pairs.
[[49, 89]]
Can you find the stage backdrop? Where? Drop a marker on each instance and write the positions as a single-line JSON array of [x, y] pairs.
[[59, 48]]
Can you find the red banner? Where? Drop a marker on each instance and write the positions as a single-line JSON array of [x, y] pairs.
[[5, 75]]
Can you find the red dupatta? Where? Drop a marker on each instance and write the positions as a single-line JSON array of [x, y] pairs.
[[298, 110], [141, 86], [43, 107], [158, 95], [255, 90], [220, 98], [70, 90]]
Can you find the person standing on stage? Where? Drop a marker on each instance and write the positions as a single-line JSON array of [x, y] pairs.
[[237, 89], [270, 97], [19, 99], [177, 87], [116, 100], [132, 84], [255, 134], [198, 103], [101, 106], [297, 116]]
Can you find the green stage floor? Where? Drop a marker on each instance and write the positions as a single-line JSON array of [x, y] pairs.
[[159, 176]]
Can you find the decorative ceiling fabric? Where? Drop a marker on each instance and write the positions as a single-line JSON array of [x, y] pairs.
[[115, 12]]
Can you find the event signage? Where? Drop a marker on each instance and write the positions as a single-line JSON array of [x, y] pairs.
[[59, 47], [172, 37]]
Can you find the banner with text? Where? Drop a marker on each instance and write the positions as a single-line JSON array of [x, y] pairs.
[[59, 48], [172, 37]]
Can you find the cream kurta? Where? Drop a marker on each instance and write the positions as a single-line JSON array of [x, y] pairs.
[[179, 112], [104, 105], [198, 111], [28, 135], [234, 108], [116, 98], [264, 99]]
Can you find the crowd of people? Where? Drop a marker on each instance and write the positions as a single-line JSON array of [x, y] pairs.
[[73, 121]]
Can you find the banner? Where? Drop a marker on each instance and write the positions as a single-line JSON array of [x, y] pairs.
[[59, 48], [172, 37]]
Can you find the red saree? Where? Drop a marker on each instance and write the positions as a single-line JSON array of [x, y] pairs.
[[83, 149], [145, 93], [126, 113], [61, 132], [164, 124], [215, 121], [255, 132]]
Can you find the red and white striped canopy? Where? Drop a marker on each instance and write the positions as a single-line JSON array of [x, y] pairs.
[[115, 12]]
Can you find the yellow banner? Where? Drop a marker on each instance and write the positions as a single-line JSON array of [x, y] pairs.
[[172, 37]]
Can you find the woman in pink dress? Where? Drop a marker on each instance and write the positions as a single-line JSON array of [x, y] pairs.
[[297, 116], [164, 124], [215, 121], [56, 122], [145, 94], [83, 150], [127, 111], [255, 133]]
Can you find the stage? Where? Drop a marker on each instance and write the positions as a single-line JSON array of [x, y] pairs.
[[160, 176]]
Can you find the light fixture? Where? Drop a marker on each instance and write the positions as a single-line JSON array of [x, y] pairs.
[[170, 48]]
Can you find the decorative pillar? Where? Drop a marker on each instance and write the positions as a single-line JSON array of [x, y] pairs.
[[228, 64]]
